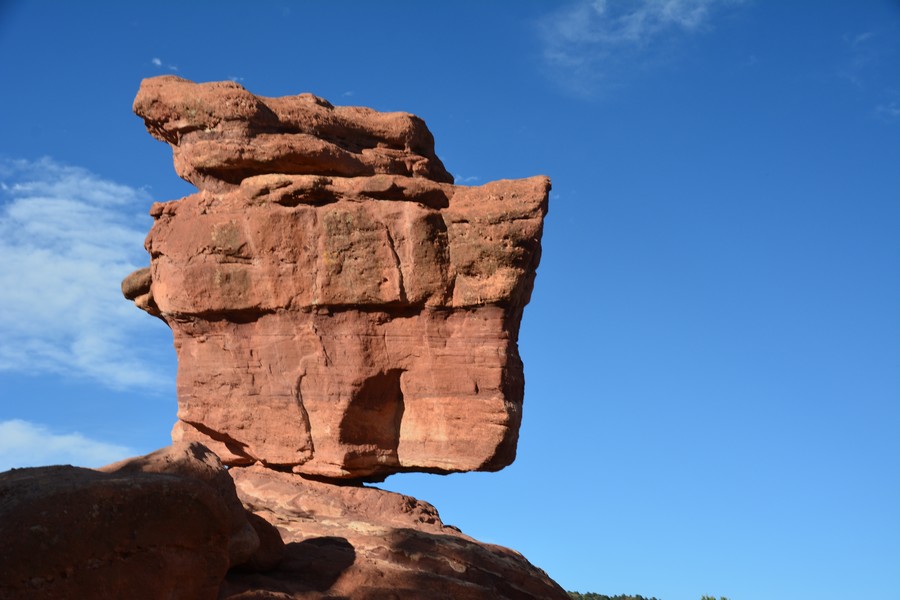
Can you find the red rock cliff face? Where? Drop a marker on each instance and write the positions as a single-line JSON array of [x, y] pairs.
[[339, 308]]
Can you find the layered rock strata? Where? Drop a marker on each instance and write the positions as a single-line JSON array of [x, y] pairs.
[[339, 307]]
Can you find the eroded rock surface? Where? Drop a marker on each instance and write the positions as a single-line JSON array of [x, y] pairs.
[[362, 543], [165, 525], [195, 461], [222, 134], [339, 308], [67, 532]]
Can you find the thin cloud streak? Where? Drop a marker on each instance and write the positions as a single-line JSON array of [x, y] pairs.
[[592, 44], [889, 111], [68, 238], [868, 64], [862, 58], [157, 62], [25, 444], [463, 180]]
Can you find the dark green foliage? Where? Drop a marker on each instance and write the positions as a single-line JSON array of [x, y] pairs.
[[593, 596]]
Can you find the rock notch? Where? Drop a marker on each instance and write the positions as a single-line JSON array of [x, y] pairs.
[[340, 309]]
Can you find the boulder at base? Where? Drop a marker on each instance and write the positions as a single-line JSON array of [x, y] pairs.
[[67, 532]]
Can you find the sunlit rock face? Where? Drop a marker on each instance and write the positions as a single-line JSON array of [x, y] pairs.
[[339, 307]]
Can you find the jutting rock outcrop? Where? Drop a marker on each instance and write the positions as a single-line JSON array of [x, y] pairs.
[[340, 309]]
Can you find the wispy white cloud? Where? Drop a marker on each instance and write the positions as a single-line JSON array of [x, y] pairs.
[[889, 111], [235, 78], [869, 64], [25, 444], [68, 238], [859, 38], [861, 57], [589, 44], [462, 180], [158, 62]]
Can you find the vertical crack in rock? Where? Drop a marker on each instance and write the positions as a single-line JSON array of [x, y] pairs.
[[325, 357], [393, 249]]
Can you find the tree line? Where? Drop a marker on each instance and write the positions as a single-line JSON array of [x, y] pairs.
[[595, 596]]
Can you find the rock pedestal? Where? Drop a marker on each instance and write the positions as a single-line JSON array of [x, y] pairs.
[[362, 543]]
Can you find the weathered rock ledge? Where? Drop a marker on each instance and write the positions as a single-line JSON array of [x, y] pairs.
[[222, 134]]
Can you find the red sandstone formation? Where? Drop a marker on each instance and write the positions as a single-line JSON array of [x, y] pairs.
[[339, 308], [222, 134], [195, 461], [169, 525]]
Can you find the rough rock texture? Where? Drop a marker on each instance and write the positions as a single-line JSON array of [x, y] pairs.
[[195, 461], [67, 532], [363, 543], [164, 525], [339, 308], [222, 134]]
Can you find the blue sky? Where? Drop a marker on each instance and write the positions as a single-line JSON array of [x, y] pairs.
[[711, 351]]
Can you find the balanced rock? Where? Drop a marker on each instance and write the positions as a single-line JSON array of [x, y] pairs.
[[339, 307]]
